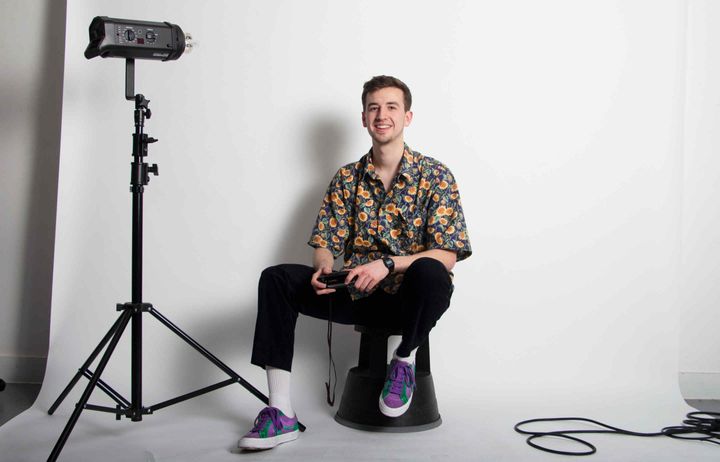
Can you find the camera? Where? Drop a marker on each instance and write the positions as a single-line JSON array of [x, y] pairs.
[[335, 280]]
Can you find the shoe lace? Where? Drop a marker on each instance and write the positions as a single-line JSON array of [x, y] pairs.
[[402, 374], [262, 418]]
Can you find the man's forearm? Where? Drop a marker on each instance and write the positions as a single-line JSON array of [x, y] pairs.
[[446, 257], [322, 258]]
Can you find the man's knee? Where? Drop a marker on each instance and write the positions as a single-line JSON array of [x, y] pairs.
[[270, 275], [275, 278], [287, 279], [428, 272], [427, 266], [428, 288]]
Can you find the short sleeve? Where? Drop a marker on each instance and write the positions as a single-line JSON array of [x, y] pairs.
[[331, 229], [446, 227]]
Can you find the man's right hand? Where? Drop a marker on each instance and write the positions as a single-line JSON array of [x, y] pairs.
[[320, 287]]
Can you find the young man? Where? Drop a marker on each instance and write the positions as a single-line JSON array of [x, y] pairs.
[[396, 217]]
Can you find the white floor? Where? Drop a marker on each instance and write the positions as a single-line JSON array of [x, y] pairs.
[[207, 428]]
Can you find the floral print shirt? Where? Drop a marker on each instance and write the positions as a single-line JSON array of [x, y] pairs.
[[421, 211]]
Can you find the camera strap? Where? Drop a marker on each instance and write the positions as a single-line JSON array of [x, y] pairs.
[[331, 363]]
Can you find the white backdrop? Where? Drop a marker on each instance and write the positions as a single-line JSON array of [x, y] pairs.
[[699, 347], [561, 120]]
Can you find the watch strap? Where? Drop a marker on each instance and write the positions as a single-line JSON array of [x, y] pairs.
[[389, 263]]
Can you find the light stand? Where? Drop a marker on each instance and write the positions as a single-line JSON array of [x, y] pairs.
[[132, 312]]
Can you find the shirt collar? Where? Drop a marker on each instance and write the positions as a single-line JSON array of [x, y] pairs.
[[408, 164]]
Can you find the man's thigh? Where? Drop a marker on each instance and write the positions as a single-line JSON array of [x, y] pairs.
[[376, 309], [292, 284]]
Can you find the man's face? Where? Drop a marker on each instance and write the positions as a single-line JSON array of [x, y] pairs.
[[384, 116]]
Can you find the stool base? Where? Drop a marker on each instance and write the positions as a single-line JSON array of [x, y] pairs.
[[359, 405]]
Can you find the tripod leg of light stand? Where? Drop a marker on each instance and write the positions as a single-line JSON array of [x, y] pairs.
[[121, 325], [212, 358], [85, 365]]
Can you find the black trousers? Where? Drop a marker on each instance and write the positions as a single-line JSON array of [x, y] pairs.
[[285, 292]]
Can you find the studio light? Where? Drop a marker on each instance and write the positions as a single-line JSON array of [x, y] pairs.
[[161, 41], [127, 38]]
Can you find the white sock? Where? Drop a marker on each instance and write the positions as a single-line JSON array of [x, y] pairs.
[[410, 359], [393, 343], [279, 390]]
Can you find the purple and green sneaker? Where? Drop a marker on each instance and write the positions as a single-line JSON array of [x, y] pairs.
[[398, 391], [271, 428]]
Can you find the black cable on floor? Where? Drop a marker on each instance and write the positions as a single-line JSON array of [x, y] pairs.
[[697, 426]]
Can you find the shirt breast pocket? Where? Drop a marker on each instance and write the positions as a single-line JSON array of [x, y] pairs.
[[410, 224]]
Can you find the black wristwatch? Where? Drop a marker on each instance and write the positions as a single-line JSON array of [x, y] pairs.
[[389, 263]]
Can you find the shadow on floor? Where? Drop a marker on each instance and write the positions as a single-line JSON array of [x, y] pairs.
[[16, 398]]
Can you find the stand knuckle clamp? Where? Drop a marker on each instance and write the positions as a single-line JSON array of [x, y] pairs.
[[135, 414], [135, 307]]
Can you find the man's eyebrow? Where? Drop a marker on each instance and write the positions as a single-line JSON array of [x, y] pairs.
[[389, 103]]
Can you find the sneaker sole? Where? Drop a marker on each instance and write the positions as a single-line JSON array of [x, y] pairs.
[[394, 411], [267, 443]]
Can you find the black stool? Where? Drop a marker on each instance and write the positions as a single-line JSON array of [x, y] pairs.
[[359, 403]]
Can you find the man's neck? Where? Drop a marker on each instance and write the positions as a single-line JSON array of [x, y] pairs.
[[387, 157]]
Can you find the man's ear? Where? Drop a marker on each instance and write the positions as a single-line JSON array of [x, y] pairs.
[[363, 119], [408, 118]]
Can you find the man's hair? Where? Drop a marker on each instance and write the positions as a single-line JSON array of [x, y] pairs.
[[385, 81]]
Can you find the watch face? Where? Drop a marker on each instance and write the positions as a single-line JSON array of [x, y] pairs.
[[389, 263]]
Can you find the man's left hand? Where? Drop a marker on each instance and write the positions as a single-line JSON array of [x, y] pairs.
[[368, 275]]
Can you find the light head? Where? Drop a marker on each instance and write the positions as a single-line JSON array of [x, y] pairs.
[[131, 39]]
